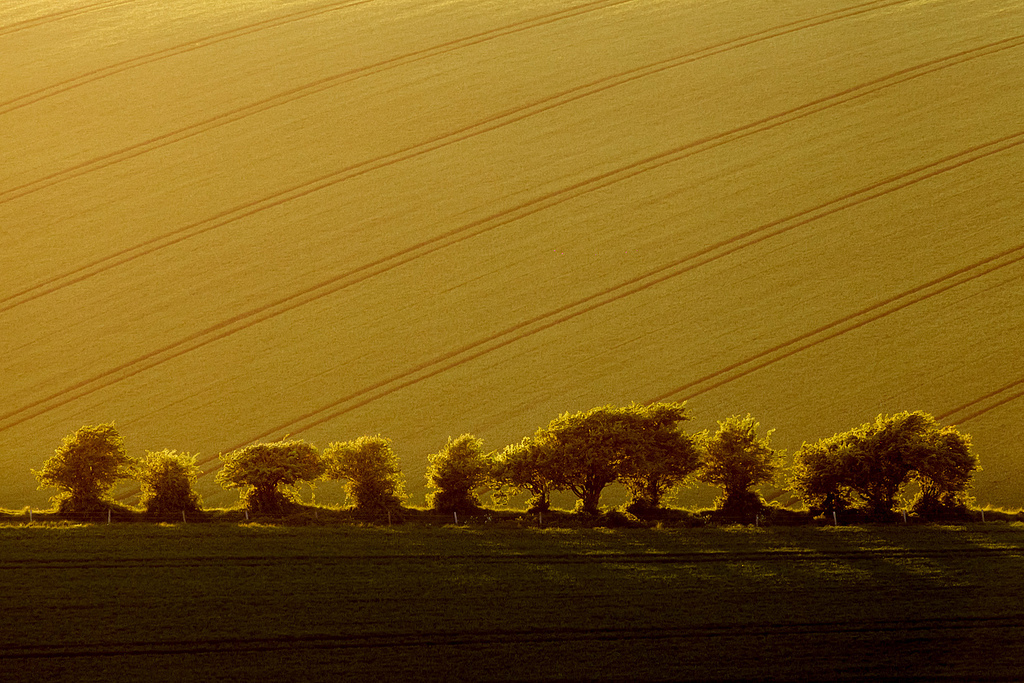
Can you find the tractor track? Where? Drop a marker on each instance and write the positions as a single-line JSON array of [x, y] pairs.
[[97, 266], [44, 19], [336, 283], [503, 637]]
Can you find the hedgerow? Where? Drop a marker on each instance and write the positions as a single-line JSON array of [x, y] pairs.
[[863, 473]]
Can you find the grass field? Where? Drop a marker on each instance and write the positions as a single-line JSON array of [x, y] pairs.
[[225, 602], [221, 222]]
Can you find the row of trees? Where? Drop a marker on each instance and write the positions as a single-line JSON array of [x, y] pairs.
[[644, 448]]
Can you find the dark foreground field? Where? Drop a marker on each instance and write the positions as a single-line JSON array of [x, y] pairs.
[[220, 602]]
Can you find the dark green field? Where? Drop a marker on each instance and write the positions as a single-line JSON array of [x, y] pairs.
[[214, 602]]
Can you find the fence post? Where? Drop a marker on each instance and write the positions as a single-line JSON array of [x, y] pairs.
[[904, 516], [183, 521], [456, 518], [982, 516], [108, 515], [835, 519], [247, 514], [540, 518]]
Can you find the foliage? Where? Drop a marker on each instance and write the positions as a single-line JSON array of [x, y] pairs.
[[168, 480], [371, 467], [85, 466], [523, 466], [820, 475], [584, 452], [736, 459], [659, 457], [262, 469], [457, 471], [873, 463]]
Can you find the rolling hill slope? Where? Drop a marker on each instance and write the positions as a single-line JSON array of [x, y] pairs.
[[233, 222]]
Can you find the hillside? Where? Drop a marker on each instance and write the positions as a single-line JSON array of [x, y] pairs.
[[221, 222]]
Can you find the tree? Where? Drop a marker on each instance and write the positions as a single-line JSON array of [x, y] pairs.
[[736, 459], [524, 466], [582, 450], [660, 456], [819, 475], [457, 471], [168, 480], [872, 464], [945, 472], [371, 467], [266, 471], [84, 467]]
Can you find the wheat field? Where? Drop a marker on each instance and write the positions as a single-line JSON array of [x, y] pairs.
[[236, 220]]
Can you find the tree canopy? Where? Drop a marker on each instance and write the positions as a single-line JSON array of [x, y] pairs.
[[523, 466], [871, 464], [456, 472], [372, 469], [85, 466], [586, 451], [263, 469], [660, 456], [736, 459], [167, 480]]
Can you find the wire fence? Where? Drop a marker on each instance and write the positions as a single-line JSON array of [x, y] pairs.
[[485, 518]]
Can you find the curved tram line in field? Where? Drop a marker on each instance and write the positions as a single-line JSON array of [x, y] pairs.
[[486, 125], [1001, 398], [922, 627], [299, 92], [321, 84], [849, 323], [401, 257], [551, 318], [43, 19], [190, 46], [787, 556], [394, 640], [285, 97], [173, 237]]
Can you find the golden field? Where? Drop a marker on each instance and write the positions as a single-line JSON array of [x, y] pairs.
[[235, 220]]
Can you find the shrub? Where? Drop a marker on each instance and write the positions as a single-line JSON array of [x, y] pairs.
[[167, 480], [371, 467], [457, 471], [872, 464], [84, 467], [736, 459], [266, 472]]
